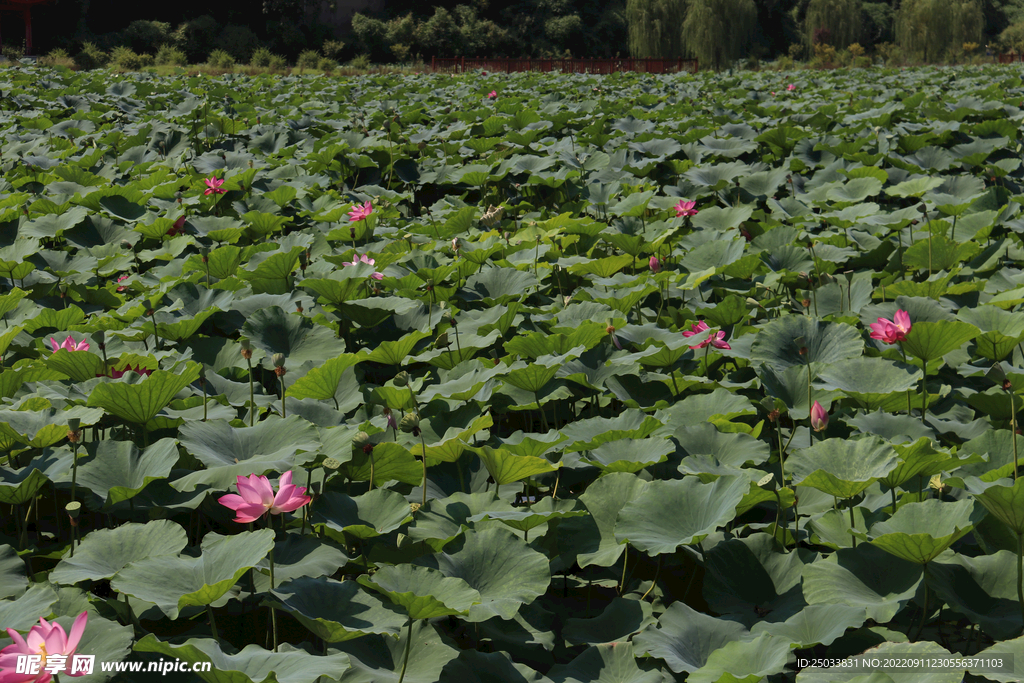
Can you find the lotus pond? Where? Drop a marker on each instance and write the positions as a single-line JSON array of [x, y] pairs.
[[514, 377]]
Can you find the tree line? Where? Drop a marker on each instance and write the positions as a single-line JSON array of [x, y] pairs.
[[717, 32]]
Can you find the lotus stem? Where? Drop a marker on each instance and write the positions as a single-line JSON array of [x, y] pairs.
[[782, 453], [924, 610], [252, 402], [1020, 572], [810, 404], [893, 492], [924, 390], [543, 418], [281, 380], [408, 646], [908, 390], [273, 612], [657, 572], [853, 526], [707, 370], [213, 622], [1013, 434], [625, 562], [423, 442]]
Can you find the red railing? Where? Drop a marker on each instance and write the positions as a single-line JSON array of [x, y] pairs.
[[577, 66], [1010, 59]]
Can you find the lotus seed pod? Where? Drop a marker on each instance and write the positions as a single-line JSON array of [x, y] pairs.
[[410, 423], [402, 379], [278, 359], [443, 341], [332, 464], [74, 424], [73, 509]]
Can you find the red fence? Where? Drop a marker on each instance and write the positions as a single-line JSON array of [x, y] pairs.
[[577, 66], [1010, 58]]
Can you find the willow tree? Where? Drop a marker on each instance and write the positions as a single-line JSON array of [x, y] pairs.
[[841, 18], [929, 29], [656, 27], [716, 32]]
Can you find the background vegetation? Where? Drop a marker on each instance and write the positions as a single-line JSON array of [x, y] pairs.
[[718, 32]]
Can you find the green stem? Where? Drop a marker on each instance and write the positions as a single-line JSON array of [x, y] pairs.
[[408, 646], [782, 457], [853, 526], [908, 390], [810, 428], [706, 368], [924, 389], [1020, 572], [543, 417], [657, 572], [625, 562], [1013, 434], [424, 443], [252, 402], [924, 611], [213, 622], [273, 612], [281, 380]]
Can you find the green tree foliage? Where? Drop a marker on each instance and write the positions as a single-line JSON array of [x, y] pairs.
[[717, 31], [841, 18], [147, 36], [929, 29], [656, 27]]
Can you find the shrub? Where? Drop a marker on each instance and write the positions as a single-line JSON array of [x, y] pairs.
[[219, 59], [796, 51], [308, 59], [91, 57], [862, 62], [147, 36], [260, 57], [401, 52], [824, 55], [146, 59], [197, 37], [277, 62], [855, 50], [333, 49], [171, 56], [125, 58], [1012, 38], [327, 64], [14, 51], [58, 57], [360, 62], [785, 63], [239, 42]]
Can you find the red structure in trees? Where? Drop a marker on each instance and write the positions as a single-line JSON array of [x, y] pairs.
[[24, 7]]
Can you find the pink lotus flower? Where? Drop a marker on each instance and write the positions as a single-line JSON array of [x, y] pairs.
[[179, 225], [124, 277], [717, 339], [138, 370], [892, 331], [685, 209], [257, 497], [364, 259], [654, 264], [69, 345], [358, 213], [45, 640], [790, 88], [213, 186], [819, 418], [611, 331], [493, 95]]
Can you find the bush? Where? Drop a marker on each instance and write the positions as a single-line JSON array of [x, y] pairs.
[[58, 57], [1012, 38], [327, 64], [125, 58], [360, 62], [14, 51], [401, 52], [277, 62], [147, 36], [785, 63], [260, 57], [862, 62], [197, 37], [239, 42], [308, 59], [91, 57], [219, 59], [824, 55], [171, 56], [855, 50], [332, 49]]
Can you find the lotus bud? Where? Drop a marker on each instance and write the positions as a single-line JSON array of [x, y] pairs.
[[279, 368], [996, 374], [410, 423], [654, 264], [204, 254], [125, 244], [401, 379], [246, 348], [819, 418], [298, 306], [360, 440]]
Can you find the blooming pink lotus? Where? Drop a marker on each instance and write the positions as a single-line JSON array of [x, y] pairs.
[[364, 259], [358, 213], [493, 95], [137, 369], [685, 209], [819, 418], [124, 277], [257, 497], [213, 186], [717, 339], [179, 225], [45, 640], [69, 345], [790, 88], [654, 264], [892, 331]]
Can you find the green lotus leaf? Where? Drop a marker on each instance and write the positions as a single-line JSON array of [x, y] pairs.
[[526, 518], [422, 592], [717, 218], [735, 450], [444, 519], [613, 663], [617, 622], [506, 467], [630, 455], [588, 434], [1002, 498], [864, 576], [297, 556], [378, 659], [814, 624], [35, 424], [104, 552], [984, 589], [140, 402], [17, 487], [920, 532], [482, 667], [78, 365], [921, 459], [341, 287], [684, 638], [374, 513], [841, 467], [930, 341], [826, 343], [678, 512], [24, 611], [746, 661], [12, 573], [275, 444], [388, 461], [395, 352], [337, 610], [274, 331], [499, 285], [252, 664], [997, 447], [869, 380], [536, 375], [322, 382], [1002, 650], [506, 571], [172, 582], [119, 471]]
